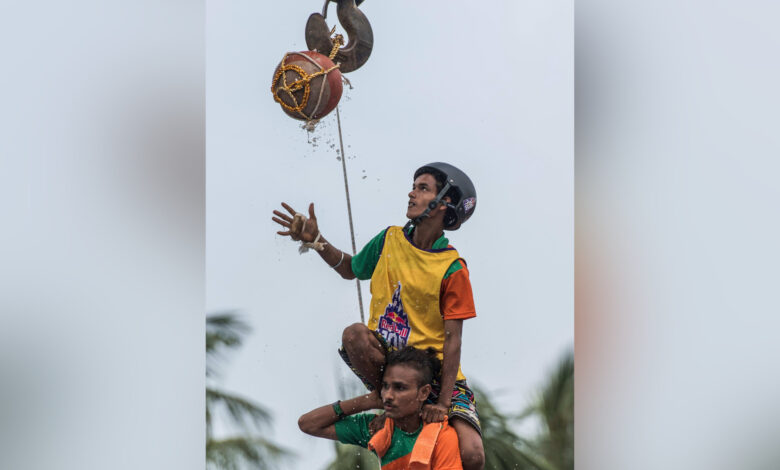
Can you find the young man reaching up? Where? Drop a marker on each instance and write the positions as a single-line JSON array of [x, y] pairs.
[[420, 294]]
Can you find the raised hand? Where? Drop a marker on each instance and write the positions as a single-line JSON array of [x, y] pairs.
[[297, 225]]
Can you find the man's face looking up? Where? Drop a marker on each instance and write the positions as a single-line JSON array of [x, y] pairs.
[[423, 192]]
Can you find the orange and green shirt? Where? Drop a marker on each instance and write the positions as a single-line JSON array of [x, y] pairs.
[[445, 456], [413, 290]]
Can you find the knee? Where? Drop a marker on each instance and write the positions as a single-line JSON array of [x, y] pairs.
[[354, 335], [359, 341], [473, 456]]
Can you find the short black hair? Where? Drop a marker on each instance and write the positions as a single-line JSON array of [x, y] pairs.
[[424, 361], [441, 180]]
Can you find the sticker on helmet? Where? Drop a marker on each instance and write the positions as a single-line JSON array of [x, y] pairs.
[[469, 203]]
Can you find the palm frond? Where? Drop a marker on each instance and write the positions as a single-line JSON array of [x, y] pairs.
[[555, 408], [224, 331], [208, 421], [504, 455], [350, 457], [505, 449], [558, 392], [229, 453], [241, 410]]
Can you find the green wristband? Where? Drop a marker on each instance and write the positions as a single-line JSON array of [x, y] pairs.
[[337, 408]]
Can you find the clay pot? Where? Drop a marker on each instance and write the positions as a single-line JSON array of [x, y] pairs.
[[307, 85]]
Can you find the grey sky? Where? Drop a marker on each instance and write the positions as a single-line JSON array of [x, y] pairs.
[[487, 87]]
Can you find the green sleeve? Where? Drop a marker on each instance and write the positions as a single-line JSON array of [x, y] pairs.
[[354, 429], [440, 244], [454, 267], [363, 263]]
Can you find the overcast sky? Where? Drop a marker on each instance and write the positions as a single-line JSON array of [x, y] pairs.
[[485, 86]]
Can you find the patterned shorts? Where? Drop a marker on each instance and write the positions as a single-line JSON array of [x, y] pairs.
[[463, 404]]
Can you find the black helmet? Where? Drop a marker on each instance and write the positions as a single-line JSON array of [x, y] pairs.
[[458, 187]]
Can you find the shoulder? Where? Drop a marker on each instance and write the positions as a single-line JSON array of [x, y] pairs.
[[394, 230], [364, 262], [356, 421], [459, 265], [446, 454], [354, 429], [380, 237], [448, 434]]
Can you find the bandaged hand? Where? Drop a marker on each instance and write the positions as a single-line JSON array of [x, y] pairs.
[[299, 227]]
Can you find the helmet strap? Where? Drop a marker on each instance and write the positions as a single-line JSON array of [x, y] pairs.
[[433, 204]]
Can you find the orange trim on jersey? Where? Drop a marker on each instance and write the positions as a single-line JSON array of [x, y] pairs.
[[457, 299]]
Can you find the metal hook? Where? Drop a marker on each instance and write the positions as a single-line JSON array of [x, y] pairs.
[[354, 22]]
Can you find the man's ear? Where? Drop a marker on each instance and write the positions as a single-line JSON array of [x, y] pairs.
[[424, 392], [443, 207]]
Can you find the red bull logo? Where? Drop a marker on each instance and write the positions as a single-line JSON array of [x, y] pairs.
[[394, 323]]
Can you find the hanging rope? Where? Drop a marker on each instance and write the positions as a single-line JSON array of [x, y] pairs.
[[349, 210], [304, 83]]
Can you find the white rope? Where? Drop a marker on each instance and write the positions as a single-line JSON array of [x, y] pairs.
[[316, 244], [349, 210]]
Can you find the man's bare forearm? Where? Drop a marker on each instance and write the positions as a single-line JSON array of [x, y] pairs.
[[339, 260], [451, 360], [321, 421]]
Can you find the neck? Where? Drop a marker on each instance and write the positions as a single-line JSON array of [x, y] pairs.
[[409, 424], [426, 233]]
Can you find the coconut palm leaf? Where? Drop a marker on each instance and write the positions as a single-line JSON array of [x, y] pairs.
[[504, 449], [555, 407], [226, 331], [349, 457], [240, 451], [243, 412]]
